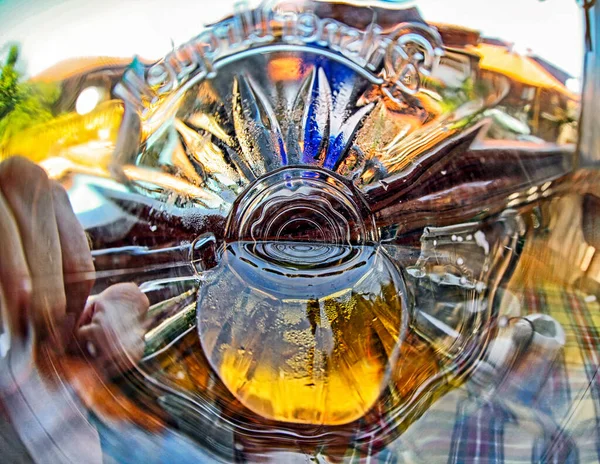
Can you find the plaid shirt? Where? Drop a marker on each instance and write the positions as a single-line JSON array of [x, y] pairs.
[[540, 414]]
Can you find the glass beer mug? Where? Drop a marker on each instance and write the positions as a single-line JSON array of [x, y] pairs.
[[362, 233]]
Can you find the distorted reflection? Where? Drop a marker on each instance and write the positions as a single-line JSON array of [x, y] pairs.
[[318, 229]]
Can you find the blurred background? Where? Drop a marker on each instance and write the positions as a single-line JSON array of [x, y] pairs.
[[50, 31]]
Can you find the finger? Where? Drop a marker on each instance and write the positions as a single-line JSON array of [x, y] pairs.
[[114, 337], [26, 188], [15, 281], [77, 264]]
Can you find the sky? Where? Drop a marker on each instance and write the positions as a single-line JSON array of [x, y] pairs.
[[52, 30]]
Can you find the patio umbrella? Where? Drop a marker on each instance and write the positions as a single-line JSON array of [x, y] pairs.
[[519, 68]]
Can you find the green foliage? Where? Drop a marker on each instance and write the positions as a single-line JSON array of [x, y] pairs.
[[22, 104], [9, 88]]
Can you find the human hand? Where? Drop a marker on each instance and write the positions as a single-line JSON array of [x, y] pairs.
[[47, 273]]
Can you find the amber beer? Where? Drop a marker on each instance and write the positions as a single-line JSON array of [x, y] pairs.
[[309, 342]]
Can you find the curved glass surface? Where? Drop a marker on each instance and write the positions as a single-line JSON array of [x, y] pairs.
[[325, 231]]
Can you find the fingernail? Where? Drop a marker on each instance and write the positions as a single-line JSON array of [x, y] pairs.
[[91, 349]]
